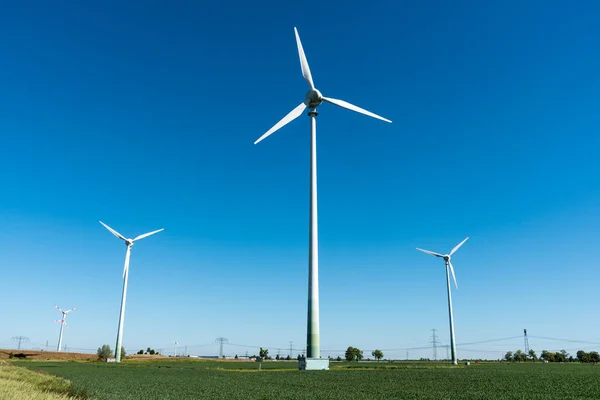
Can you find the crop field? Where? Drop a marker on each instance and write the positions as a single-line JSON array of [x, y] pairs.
[[181, 379]]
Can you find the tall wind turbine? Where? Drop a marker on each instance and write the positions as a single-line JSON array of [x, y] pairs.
[[128, 243], [63, 323], [449, 268], [311, 101]]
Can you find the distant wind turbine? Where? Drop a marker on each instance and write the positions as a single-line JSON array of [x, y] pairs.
[[312, 100], [63, 323], [128, 243], [449, 269]]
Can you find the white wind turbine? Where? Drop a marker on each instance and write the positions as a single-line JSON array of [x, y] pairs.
[[128, 243], [449, 269], [312, 100], [63, 323]]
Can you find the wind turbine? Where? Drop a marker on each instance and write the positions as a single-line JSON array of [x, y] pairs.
[[128, 243], [63, 323], [312, 100], [449, 268]]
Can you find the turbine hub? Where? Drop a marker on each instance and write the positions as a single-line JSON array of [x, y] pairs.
[[447, 258], [313, 98], [128, 242]]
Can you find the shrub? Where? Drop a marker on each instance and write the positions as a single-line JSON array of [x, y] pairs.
[[104, 352]]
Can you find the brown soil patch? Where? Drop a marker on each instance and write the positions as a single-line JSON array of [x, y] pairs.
[[45, 355]]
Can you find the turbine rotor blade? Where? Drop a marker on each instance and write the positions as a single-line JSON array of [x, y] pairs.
[[292, 115], [148, 234], [117, 234], [458, 246], [58, 308], [430, 252], [352, 107], [453, 276], [303, 61], [72, 309]]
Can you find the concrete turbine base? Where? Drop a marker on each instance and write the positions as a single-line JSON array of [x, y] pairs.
[[313, 364]]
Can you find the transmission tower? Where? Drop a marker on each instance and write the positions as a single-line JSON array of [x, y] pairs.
[[20, 339], [290, 349], [526, 342], [221, 340], [434, 342]]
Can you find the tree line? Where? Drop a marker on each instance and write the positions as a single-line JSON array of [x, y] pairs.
[[548, 356]]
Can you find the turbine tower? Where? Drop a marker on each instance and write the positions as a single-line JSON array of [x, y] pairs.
[[63, 323], [449, 269], [128, 243], [312, 100]]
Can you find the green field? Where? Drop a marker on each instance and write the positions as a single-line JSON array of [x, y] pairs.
[[280, 380]]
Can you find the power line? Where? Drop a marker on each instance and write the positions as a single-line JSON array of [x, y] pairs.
[[563, 340], [20, 339]]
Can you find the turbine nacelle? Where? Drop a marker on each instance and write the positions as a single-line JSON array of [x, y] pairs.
[[128, 242], [313, 98]]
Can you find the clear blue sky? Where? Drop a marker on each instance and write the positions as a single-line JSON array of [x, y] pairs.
[[143, 115]]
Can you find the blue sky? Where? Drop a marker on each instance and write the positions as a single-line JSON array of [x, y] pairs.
[[143, 115]]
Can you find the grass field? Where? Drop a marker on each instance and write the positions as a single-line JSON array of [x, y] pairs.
[[18, 383], [182, 379]]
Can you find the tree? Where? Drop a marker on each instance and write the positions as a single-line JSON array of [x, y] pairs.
[[338, 358], [558, 357], [349, 354], [277, 357], [519, 356], [141, 352], [148, 350], [236, 357], [352, 353], [152, 352], [532, 355], [594, 357], [508, 356], [378, 354], [564, 355], [288, 357], [104, 352], [582, 356], [359, 355], [123, 352], [547, 356], [263, 353]]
